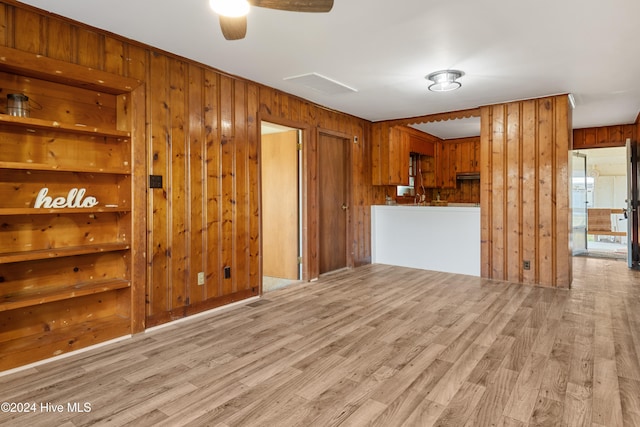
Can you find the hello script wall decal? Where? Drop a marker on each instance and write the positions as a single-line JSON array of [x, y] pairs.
[[75, 199]]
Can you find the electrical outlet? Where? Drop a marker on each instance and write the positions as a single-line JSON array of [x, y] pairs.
[[526, 265], [201, 278]]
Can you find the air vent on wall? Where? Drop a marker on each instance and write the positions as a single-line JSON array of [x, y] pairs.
[[320, 83]]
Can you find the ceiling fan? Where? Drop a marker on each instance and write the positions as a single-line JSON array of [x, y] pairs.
[[233, 13]]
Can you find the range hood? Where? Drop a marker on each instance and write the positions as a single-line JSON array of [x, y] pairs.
[[462, 176]]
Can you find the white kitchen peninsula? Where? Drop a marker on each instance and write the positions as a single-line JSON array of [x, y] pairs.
[[439, 238]]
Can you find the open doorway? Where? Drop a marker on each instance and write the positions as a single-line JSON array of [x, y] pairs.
[[280, 205], [603, 191]]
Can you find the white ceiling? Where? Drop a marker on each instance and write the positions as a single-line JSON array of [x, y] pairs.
[[508, 50]]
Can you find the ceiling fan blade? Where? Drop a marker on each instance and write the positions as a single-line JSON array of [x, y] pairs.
[[233, 28], [320, 6]]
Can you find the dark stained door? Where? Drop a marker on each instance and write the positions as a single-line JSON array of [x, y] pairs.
[[333, 206]]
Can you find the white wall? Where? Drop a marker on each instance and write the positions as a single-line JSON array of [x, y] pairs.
[[610, 192]]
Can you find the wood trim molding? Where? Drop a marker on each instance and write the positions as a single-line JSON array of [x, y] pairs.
[[437, 117]]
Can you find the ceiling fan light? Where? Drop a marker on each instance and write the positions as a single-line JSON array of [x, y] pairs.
[[445, 80], [230, 8]]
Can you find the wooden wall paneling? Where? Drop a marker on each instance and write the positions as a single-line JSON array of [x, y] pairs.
[[228, 165], [89, 48], [546, 183], [313, 225], [529, 170], [562, 192], [136, 62], [358, 196], [136, 108], [213, 205], [591, 137], [253, 189], [525, 201], [5, 12], [178, 186], [296, 110], [114, 61], [196, 170], [629, 132], [376, 158], [240, 254], [132, 110], [25, 31], [226, 230], [59, 40], [498, 229], [615, 133], [159, 221], [604, 136], [513, 193]]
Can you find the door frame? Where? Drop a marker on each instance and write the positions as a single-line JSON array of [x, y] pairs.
[[633, 203], [282, 197], [309, 192], [348, 140], [307, 137], [578, 251]]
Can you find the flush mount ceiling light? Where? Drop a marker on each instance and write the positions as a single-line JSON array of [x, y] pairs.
[[230, 8], [445, 80]]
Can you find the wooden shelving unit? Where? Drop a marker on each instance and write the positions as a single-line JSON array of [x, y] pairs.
[[32, 124], [56, 168], [32, 297], [66, 269], [61, 252]]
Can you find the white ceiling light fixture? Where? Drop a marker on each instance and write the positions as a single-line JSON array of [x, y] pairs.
[[444, 80], [230, 8]]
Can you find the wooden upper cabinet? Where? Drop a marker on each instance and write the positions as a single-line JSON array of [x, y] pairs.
[[427, 170], [399, 151], [467, 158], [421, 143], [445, 165], [392, 146], [605, 136]]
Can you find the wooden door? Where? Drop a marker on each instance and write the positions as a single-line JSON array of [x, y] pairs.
[[332, 201], [279, 166]]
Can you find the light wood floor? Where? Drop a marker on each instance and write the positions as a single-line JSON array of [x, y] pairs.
[[377, 345]]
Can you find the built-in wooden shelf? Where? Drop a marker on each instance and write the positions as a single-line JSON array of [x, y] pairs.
[[42, 67], [8, 257], [31, 297], [66, 211], [61, 340], [56, 168], [82, 138], [31, 123]]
